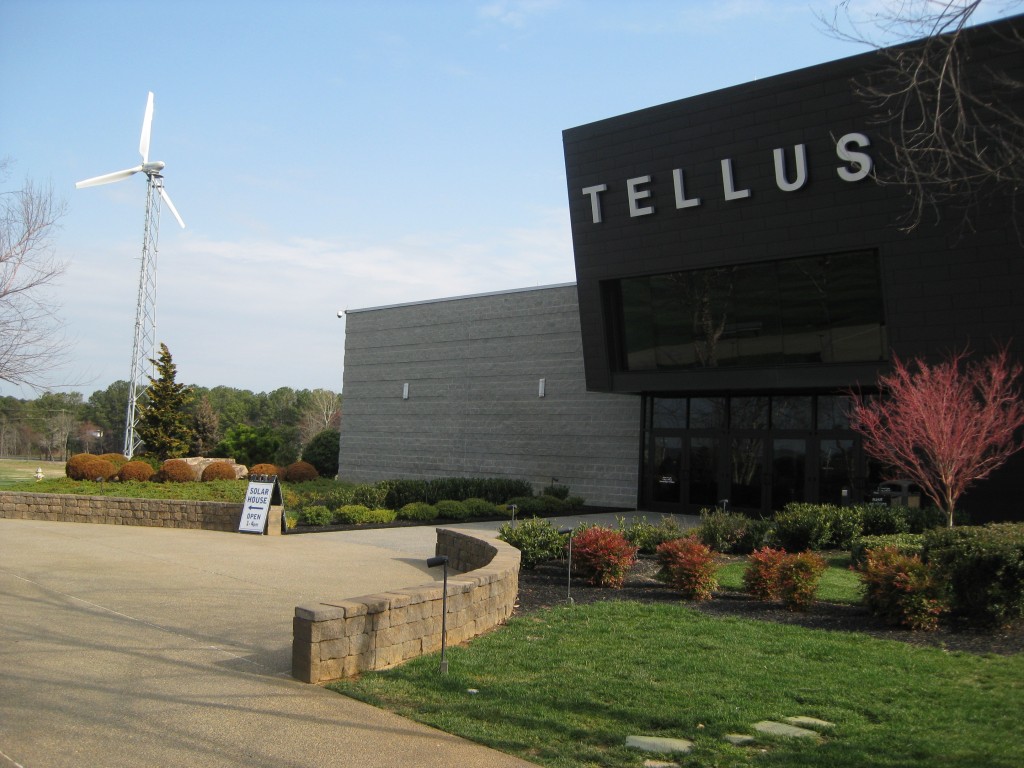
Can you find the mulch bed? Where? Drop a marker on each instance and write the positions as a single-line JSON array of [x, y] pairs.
[[546, 586]]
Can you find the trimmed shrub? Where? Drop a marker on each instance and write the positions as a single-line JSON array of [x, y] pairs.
[[537, 540], [481, 508], [902, 590], [357, 514], [218, 470], [96, 468], [372, 496], [925, 518], [300, 472], [528, 505], [800, 527], [558, 491], [761, 577], [138, 471], [418, 510], [983, 568], [264, 469], [322, 452], [603, 554], [452, 510], [117, 459], [689, 566], [316, 515], [883, 520], [844, 524], [722, 531], [798, 579], [575, 502], [494, 490], [905, 543], [176, 471], [74, 466]]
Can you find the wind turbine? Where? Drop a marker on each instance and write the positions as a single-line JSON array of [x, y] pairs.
[[144, 344]]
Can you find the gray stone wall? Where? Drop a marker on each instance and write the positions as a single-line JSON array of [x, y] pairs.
[[473, 367]]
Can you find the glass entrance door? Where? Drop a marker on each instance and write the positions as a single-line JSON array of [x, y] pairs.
[[789, 471], [667, 475]]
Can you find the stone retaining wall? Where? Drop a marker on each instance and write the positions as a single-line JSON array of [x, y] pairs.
[[161, 513], [342, 639]]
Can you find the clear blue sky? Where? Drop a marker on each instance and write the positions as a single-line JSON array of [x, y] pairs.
[[333, 155]]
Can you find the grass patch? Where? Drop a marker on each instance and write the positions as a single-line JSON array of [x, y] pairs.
[[564, 687], [838, 583], [17, 471], [215, 490]]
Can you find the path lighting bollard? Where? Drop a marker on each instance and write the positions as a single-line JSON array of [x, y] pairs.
[[568, 578], [512, 508], [433, 562], [724, 503]]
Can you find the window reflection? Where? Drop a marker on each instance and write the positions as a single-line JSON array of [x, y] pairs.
[[822, 309]]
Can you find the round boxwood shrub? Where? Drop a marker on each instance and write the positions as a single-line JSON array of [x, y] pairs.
[[264, 469], [357, 514], [480, 508], [417, 510], [176, 471], [316, 515], [300, 472], [138, 471], [452, 510], [218, 470]]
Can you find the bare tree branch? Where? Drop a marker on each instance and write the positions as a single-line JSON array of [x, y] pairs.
[[32, 340], [955, 129]]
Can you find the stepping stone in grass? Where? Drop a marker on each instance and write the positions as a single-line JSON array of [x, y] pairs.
[[659, 764], [659, 744], [784, 729], [739, 739], [808, 722]]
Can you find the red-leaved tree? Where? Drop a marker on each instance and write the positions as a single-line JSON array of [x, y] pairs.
[[944, 425]]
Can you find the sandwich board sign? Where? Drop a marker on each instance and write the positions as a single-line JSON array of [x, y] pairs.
[[263, 491]]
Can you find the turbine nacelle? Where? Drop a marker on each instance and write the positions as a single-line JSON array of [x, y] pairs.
[[150, 168]]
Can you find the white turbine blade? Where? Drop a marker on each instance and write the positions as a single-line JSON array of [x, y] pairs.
[[147, 129], [167, 199], [108, 178]]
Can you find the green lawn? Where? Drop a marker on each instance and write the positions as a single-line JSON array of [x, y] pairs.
[[566, 686], [23, 471]]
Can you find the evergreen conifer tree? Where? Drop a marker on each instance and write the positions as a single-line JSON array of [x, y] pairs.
[[165, 423]]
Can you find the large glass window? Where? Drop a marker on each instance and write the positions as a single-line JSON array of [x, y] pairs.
[[821, 309]]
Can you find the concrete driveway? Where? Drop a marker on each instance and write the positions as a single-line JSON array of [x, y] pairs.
[[124, 646]]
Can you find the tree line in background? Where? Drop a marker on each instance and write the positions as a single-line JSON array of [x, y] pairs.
[[273, 427]]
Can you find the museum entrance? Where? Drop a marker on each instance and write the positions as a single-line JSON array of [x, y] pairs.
[[754, 454]]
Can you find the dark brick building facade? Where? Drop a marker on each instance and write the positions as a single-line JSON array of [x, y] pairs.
[[739, 268]]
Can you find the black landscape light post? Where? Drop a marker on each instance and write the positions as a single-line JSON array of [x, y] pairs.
[[568, 578], [433, 562]]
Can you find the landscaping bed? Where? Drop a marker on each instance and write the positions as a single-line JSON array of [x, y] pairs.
[[546, 586]]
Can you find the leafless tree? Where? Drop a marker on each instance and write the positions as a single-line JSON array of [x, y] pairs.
[[31, 334], [322, 411], [955, 128]]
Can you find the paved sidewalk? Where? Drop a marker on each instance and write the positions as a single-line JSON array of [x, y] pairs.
[[126, 646]]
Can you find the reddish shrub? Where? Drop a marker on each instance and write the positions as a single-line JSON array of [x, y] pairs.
[[300, 472], [761, 577], [74, 466], [98, 469], [604, 554], [139, 471], [798, 579], [218, 470], [901, 589], [117, 459], [689, 565], [264, 469], [176, 471]]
